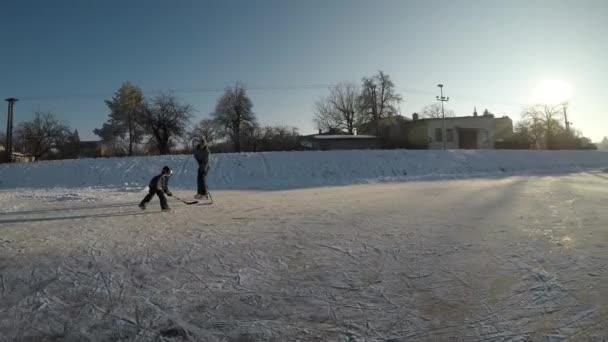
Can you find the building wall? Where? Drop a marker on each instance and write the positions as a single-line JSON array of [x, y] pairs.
[[417, 134], [23, 158], [484, 125], [347, 144]]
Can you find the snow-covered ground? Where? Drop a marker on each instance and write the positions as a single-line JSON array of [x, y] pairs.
[[291, 170], [501, 259]]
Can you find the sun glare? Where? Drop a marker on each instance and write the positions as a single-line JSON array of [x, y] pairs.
[[552, 92]]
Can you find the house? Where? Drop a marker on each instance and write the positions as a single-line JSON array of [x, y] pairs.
[[22, 157], [338, 141], [16, 156], [464, 132], [90, 149]]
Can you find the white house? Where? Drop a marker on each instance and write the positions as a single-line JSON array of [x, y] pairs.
[[465, 132]]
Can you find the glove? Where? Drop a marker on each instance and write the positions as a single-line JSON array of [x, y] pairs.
[[169, 194]]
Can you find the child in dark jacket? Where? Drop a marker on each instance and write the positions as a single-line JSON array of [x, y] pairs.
[[159, 186]]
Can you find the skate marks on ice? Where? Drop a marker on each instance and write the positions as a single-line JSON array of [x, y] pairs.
[[328, 267]]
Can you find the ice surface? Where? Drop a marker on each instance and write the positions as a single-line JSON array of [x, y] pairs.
[[496, 259]]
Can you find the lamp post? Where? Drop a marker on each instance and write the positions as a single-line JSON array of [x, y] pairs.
[[9, 129], [442, 99]]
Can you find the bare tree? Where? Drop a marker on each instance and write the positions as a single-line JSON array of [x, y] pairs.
[[41, 134], [277, 138], [208, 129], [340, 110], [251, 135], [433, 111], [378, 98], [546, 116], [234, 114], [603, 145], [529, 133], [167, 119]]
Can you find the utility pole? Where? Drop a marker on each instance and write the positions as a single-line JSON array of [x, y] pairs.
[[9, 129], [442, 99], [565, 105], [375, 109]]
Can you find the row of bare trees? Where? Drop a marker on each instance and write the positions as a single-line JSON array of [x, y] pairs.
[[164, 125], [45, 137], [161, 124], [543, 127], [348, 105]]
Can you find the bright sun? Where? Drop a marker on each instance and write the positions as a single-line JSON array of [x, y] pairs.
[[552, 92]]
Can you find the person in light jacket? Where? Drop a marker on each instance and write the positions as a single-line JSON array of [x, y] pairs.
[[201, 154]]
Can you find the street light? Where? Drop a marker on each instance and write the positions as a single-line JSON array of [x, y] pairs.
[[9, 129], [442, 99]]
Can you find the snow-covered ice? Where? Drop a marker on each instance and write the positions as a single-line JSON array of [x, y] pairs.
[[511, 259], [516, 258]]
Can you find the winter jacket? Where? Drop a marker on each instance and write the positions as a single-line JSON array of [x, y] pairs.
[[160, 182], [201, 154]]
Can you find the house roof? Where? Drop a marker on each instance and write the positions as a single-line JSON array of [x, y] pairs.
[[343, 137], [22, 154], [462, 117]]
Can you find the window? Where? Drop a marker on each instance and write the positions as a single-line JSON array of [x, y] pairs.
[[438, 134], [449, 135]]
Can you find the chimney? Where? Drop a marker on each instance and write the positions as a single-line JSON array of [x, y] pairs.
[[414, 116], [475, 111], [320, 132]]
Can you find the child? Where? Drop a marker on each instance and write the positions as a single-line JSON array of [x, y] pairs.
[[159, 186]]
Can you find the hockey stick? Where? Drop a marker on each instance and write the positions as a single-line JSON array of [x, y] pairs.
[[183, 201]]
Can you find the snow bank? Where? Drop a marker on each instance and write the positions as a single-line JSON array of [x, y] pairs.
[[287, 170]]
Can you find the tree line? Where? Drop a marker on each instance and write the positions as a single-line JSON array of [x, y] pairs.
[[543, 126], [162, 124], [349, 106], [44, 137]]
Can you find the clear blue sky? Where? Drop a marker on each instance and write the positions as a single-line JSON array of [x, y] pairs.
[[488, 53]]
